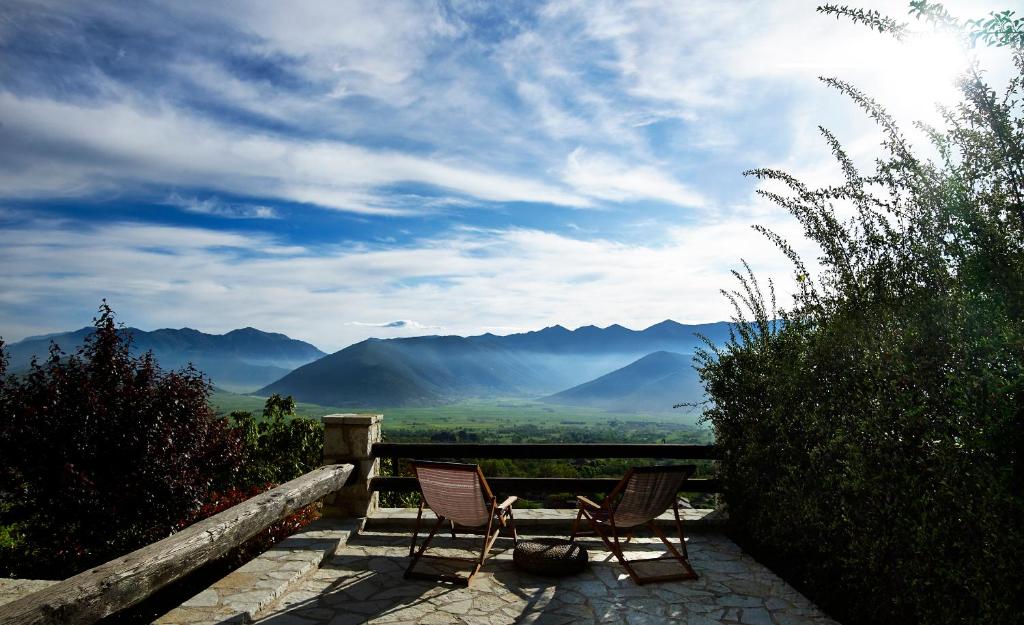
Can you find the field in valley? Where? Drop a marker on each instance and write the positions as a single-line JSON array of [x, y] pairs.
[[510, 420]]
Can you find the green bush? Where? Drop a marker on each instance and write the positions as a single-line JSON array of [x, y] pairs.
[[278, 448], [872, 434]]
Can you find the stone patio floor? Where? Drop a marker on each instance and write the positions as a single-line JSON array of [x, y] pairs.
[[362, 583]]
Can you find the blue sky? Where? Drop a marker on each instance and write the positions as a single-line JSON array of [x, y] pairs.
[[325, 169]]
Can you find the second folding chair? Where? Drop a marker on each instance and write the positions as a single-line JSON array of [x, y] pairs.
[[642, 495]]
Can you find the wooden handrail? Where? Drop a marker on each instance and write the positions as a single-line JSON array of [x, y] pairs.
[[123, 582], [517, 485], [544, 451]]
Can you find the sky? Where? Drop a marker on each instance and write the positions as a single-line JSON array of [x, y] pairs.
[[337, 170]]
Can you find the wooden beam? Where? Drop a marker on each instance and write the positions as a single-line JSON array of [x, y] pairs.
[[435, 451], [518, 485], [123, 582]]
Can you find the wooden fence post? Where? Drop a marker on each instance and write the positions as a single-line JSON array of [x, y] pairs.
[[349, 438]]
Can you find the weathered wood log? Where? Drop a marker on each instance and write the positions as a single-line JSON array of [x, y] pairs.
[[118, 584], [524, 451], [547, 485]]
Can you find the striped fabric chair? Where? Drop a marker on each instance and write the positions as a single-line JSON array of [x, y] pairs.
[[458, 494], [638, 499]]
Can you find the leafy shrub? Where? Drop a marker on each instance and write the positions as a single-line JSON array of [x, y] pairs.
[[103, 453], [872, 434], [278, 448]]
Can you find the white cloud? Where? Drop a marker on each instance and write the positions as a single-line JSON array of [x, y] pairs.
[[360, 48], [219, 208], [403, 324], [469, 281], [117, 144], [606, 177]]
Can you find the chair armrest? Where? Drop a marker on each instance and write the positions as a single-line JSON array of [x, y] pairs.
[[508, 502], [583, 501]]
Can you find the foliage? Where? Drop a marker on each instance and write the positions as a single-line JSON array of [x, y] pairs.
[[873, 437], [997, 29], [103, 453], [279, 447]]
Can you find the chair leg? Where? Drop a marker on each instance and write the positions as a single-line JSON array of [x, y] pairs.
[[416, 531], [679, 557], [679, 529], [488, 538], [419, 553], [512, 525], [615, 547], [620, 554], [576, 525], [596, 529]]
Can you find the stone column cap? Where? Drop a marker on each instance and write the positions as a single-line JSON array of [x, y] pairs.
[[351, 418]]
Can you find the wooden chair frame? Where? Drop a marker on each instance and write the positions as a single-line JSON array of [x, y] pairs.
[[499, 518], [601, 518]]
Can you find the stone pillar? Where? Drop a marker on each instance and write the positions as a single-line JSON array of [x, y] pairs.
[[348, 438]]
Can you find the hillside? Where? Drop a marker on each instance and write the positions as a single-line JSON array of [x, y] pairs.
[[655, 382], [414, 371], [240, 360], [440, 369]]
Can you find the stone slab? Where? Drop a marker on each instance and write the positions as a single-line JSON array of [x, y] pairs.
[[11, 589], [242, 594], [352, 419]]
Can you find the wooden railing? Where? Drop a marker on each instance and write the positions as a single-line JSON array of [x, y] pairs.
[[123, 582], [349, 439], [459, 451]]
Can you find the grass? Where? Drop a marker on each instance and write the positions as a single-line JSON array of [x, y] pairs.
[[506, 419]]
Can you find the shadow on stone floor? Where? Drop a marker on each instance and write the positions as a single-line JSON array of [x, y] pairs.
[[363, 584], [347, 602]]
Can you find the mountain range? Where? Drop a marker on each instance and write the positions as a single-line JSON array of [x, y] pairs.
[[612, 368], [240, 360], [379, 373]]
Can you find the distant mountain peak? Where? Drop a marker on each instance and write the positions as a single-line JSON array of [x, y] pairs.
[[556, 328], [251, 331], [655, 382], [668, 323]]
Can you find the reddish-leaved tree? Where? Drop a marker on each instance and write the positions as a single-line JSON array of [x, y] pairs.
[[103, 452]]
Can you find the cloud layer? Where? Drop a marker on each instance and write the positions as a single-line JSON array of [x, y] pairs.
[[312, 167]]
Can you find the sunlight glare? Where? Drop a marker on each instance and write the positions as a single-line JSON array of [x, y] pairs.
[[931, 64]]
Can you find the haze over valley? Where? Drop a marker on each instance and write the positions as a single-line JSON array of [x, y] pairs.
[[613, 368]]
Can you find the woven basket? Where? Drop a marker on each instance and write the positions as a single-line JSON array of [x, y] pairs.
[[549, 556]]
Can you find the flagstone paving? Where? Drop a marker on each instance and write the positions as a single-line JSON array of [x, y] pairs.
[[11, 589], [362, 583]]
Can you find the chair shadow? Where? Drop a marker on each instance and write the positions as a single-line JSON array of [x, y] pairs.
[[602, 593], [365, 582]]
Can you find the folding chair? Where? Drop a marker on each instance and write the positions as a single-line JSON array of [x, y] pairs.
[[638, 499], [459, 494]]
